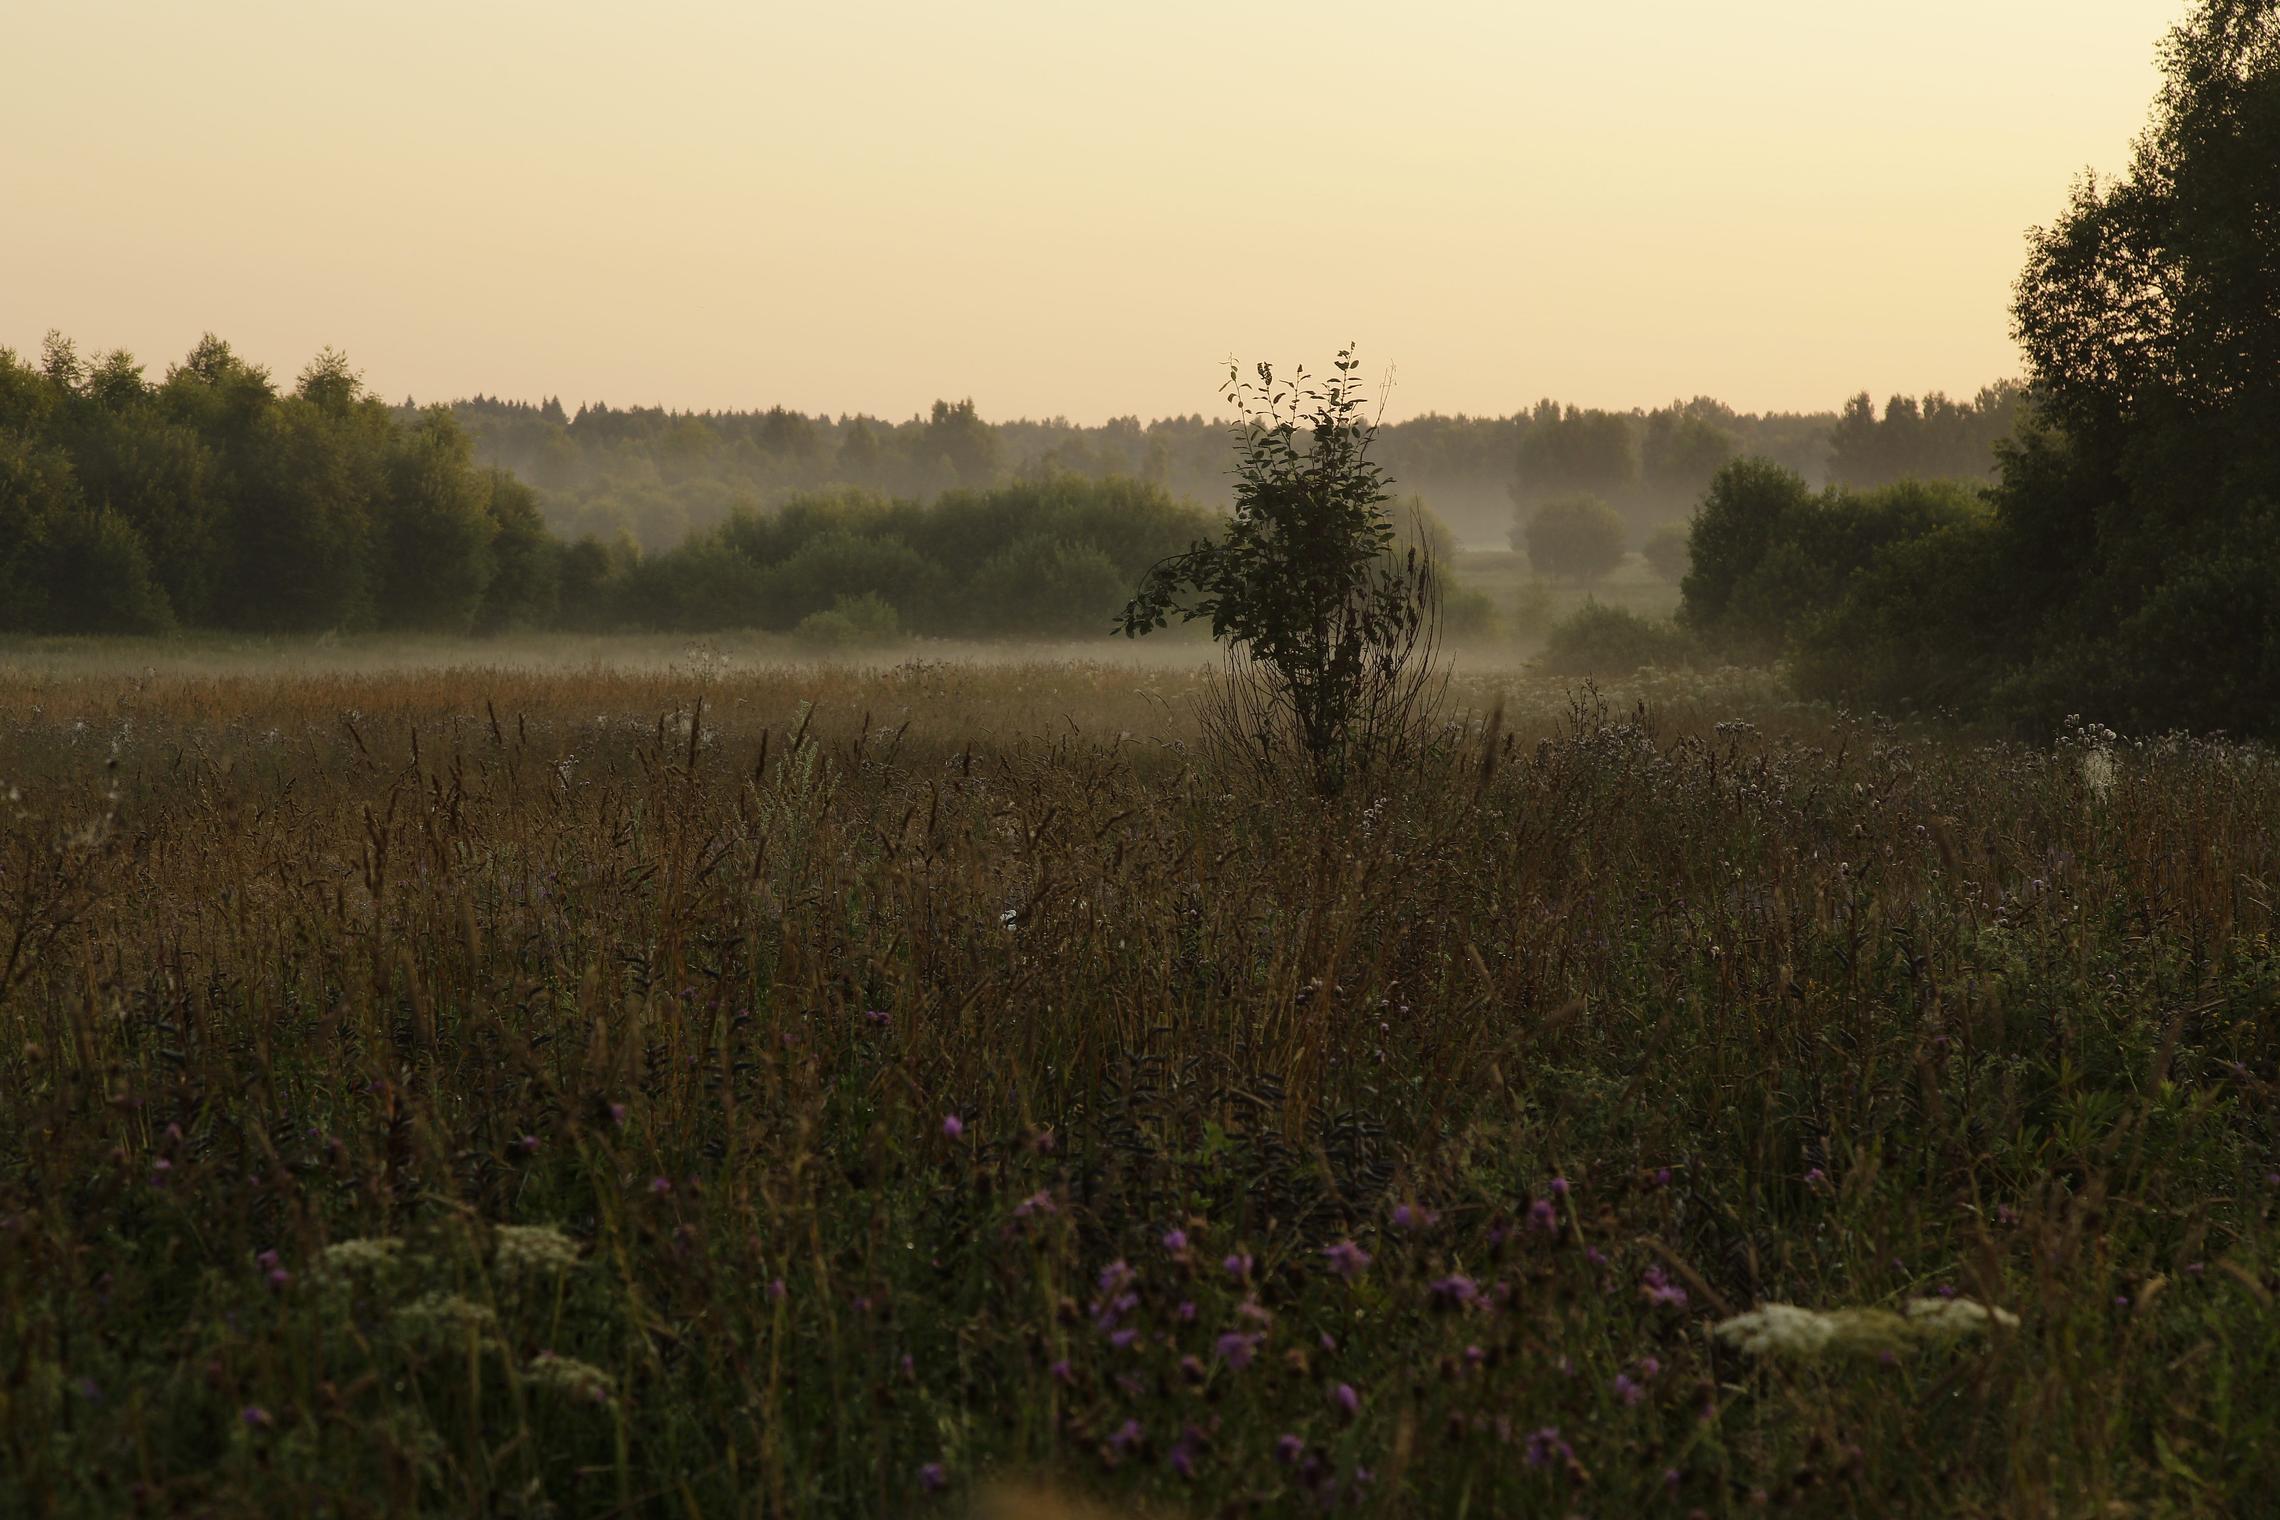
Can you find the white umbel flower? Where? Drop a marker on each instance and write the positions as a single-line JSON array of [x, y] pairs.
[[347, 1258], [1956, 1317], [1779, 1330], [444, 1316], [534, 1248], [567, 1375], [1789, 1331]]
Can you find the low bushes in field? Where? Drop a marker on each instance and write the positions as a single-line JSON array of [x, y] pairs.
[[1599, 640]]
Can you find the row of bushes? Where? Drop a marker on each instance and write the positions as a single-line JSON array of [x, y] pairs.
[[1766, 564], [1050, 559]]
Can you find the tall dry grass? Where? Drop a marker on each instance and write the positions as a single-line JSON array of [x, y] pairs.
[[822, 1090]]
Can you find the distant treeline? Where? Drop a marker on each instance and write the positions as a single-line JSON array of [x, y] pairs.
[[215, 499], [653, 476]]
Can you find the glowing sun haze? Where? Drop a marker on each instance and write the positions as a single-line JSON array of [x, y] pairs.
[[1060, 208]]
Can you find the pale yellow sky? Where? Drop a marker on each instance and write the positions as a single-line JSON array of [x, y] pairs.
[[1057, 206]]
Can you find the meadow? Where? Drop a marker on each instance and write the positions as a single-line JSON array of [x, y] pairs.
[[698, 1084]]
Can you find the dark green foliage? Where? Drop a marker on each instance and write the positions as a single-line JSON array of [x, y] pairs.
[[1330, 633], [1915, 630], [66, 566], [1767, 556], [525, 585], [1048, 587], [593, 581], [99, 578], [1934, 439], [851, 622], [1599, 640], [2132, 568], [1576, 539], [1570, 452], [435, 529], [213, 500], [37, 495], [1681, 448], [1053, 557]]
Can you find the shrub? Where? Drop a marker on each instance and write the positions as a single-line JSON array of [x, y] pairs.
[[1331, 637], [1577, 539], [1767, 557], [1748, 508], [1910, 632], [1599, 640], [1046, 587], [852, 622]]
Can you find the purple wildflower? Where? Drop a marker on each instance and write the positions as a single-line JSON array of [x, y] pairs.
[[953, 1127], [1039, 1202], [1126, 1436], [1629, 1390], [1239, 1264], [1559, 1187], [1182, 1455], [1059, 1372], [1659, 1289], [777, 1290], [1175, 1241], [1545, 1447], [1237, 1349], [1454, 1290], [1348, 1401], [932, 1478], [1288, 1449], [877, 1018], [256, 1416], [1347, 1259], [1542, 1215]]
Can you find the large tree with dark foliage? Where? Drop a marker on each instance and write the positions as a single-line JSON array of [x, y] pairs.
[[2131, 568]]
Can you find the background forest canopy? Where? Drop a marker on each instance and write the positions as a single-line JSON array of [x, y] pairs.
[[217, 498]]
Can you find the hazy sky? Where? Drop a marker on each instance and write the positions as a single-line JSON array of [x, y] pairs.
[[1062, 207]]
